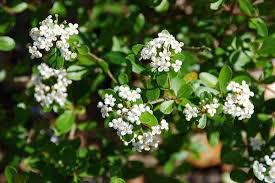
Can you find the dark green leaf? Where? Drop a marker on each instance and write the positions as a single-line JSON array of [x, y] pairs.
[[268, 47], [137, 48], [239, 175]]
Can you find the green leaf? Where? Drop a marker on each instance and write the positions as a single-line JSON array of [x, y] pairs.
[[241, 78], [268, 47], [216, 5], [166, 107], [148, 119], [117, 58], [76, 72], [117, 180], [208, 79], [163, 6], [152, 94], [6, 43], [239, 175], [10, 173], [19, 7], [224, 78], [246, 7], [162, 80], [85, 59], [202, 121], [123, 78], [185, 91], [139, 23], [137, 48], [259, 25], [58, 8], [65, 121], [136, 68], [214, 138]]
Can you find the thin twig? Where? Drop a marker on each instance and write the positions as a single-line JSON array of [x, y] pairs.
[[157, 101], [194, 48], [100, 60]]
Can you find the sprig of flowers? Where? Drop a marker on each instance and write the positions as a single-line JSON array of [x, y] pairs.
[[51, 34], [265, 171], [125, 108], [160, 51], [55, 92], [237, 102], [194, 111]]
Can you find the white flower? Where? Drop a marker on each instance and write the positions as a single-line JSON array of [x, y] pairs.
[[160, 50], [164, 125], [50, 33], [237, 103], [177, 65], [190, 112], [258, 170], [256, 143], [211, 109], [45, 94], [109, 100], [121, 126]]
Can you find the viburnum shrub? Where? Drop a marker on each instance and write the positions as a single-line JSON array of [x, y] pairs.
[[95, 91]]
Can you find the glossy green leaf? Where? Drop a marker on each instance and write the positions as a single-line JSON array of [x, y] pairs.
[[208, 79], [202, 121], [148, 119], [152, 94], [246, 7], [123, 78], [117, 180], [216, 5], [6, 43], [259, 25], [76, 72], [166, 107], [65, 121], [224, 78], [10, 173], [19, 7]]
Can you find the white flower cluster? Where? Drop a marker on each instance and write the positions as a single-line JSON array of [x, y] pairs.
[[193, 111], [265, 171], [256, 143], [160, 50], [190, 112], [211, 108], [50, 33], [237, 102], [46, 94], [126, 108]]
